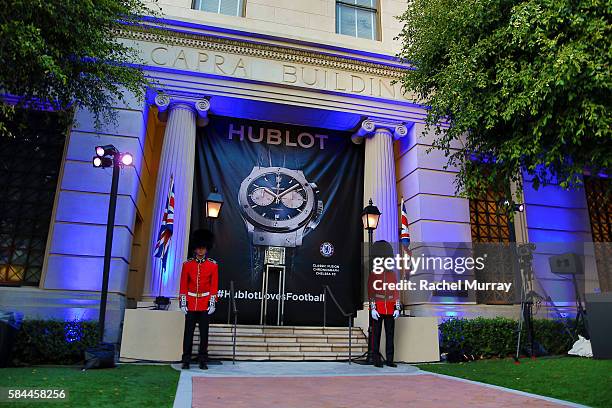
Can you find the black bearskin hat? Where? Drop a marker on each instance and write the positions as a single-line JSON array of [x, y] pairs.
[[379, 249], [382, 249], [202, 238]]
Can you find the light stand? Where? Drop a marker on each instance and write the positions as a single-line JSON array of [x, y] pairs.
[[107, 156], [571, 264], [108, 247], [580, 312], [525, 258]]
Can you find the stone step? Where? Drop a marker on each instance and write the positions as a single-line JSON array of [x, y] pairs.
[[313, 352], [260, 327], [285, 339], [292, 356], [296, 347], [286, 335], [283, 342], [283, 330], [220, 342]]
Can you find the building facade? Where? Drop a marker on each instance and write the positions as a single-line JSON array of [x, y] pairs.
[[325, 64]]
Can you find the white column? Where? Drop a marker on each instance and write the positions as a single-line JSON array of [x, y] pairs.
[[177, 160], [379, 178], [379, 183]]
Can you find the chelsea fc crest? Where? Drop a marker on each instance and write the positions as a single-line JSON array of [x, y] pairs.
[[326, 249]]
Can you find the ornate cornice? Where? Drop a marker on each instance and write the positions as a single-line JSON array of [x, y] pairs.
[[267, 51]]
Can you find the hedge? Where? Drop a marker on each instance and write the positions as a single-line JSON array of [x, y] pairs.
[[60, 342], [53, 341], [497, 337]]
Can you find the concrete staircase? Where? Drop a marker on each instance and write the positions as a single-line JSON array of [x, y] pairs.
[[254, 342]]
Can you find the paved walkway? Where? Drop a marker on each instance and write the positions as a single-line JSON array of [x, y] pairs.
[[331, 384]]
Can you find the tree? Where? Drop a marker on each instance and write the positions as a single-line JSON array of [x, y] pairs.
[[523, 85], [65, 54]]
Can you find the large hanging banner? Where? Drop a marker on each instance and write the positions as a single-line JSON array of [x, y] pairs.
[[290, 221]]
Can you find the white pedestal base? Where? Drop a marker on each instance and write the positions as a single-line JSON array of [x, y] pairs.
[[152, 335], [416, 338]]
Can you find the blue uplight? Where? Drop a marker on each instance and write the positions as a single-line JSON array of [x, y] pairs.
[[73, 331]]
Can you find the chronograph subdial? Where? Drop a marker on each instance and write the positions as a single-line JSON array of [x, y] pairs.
[[262, 196], [293, 199], [279, 206]]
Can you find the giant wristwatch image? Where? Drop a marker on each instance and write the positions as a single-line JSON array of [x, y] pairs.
[[279, 206]]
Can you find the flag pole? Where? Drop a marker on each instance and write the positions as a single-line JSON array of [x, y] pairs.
[[161, 276]]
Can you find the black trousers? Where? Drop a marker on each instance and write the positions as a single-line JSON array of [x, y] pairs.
[[202, 319], [377, 325]]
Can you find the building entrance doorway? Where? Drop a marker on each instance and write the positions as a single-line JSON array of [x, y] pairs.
[[273, 287]]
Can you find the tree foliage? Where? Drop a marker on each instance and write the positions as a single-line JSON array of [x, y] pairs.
[[524, 86], [65, 54]]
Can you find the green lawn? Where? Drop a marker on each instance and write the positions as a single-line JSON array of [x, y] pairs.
[[580, 380], [132, 386]]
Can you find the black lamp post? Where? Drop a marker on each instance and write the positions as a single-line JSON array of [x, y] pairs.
[[369, 217], [109, 156], [214, 202]]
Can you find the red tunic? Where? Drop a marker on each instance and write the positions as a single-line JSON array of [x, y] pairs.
[[384, 298], [199, 281]]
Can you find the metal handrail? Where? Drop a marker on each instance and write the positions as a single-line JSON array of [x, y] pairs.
[[327, 289], [233, 310]]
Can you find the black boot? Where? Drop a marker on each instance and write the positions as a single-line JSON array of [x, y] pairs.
[[378, 363], [203, 365], [391, 364], [185, 365]]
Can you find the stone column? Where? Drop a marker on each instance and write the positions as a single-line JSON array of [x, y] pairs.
[[379, 177], [177, 161]]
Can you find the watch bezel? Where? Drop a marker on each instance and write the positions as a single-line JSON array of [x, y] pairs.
[[276, 225]]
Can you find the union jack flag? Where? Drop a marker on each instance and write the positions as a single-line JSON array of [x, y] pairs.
[[405, 236], [166, 228], [405, 233]]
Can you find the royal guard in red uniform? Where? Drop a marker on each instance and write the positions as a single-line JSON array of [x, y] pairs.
[[384, 305], [198, 294]]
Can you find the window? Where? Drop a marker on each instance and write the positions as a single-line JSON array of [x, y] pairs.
[[29, 173], [492, 234], [227, 7], [488, 220], [357, 18], [599, 202]]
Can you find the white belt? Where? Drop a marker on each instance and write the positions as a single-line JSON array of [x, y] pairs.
[[197, 295]]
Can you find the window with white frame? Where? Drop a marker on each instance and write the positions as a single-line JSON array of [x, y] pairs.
[[227, 7], [357, 18]]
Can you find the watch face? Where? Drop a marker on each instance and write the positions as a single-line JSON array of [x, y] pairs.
[[276, 198]]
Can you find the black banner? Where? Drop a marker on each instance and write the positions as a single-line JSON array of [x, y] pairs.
[[291, 192]]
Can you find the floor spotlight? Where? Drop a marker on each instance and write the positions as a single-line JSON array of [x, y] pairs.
[[107, 150], [102, 162], [127, 159], [509, 206]]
